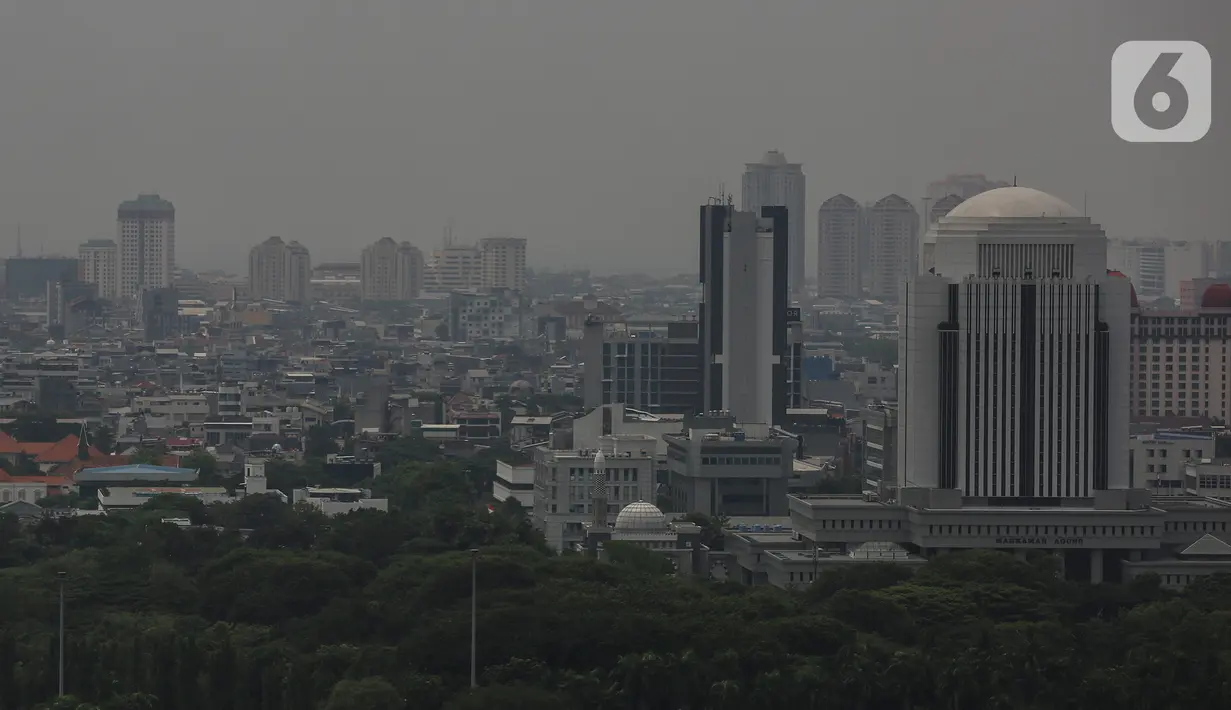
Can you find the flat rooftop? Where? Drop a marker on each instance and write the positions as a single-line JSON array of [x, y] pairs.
[[1187, 503], [841, 501], [749, 521]]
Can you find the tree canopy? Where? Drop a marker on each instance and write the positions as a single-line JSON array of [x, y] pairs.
[[263, 605]]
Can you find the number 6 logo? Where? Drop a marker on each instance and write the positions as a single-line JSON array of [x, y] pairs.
[[1161, 92]]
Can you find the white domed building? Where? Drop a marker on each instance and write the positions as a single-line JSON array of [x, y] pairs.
[[643, 524], [1013, 396], [1014, 366]]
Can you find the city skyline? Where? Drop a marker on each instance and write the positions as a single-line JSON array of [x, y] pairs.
[[348, 133]]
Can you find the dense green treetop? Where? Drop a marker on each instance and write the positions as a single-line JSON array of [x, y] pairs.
[[265, 606]]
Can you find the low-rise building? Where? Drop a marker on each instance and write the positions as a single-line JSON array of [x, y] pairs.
[[91, 480], [1115, 535], [1157, 460], [515, 480], [736, 470], [562, 481], [121, 497], [338, 501], [180, 409]]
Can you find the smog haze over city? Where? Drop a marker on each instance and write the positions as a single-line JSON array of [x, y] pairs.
[[593, 130]]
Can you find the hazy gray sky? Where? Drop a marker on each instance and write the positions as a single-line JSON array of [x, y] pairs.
[[594, 129]]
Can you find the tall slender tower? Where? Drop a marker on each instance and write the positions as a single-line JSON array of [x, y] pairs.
[[774, 182], [743, 312], [598, 490]]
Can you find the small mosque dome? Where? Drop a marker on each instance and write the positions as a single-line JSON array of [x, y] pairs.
[[641, 516], [521, 386], [1217, 296]]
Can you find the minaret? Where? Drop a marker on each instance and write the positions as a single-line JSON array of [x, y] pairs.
[[598, 490], [83, 444]]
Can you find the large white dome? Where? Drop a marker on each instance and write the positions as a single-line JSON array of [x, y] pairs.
[[1012, 202], [641, 516]]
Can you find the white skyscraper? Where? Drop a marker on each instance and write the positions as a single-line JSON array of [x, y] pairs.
[[774, 182], [146, 232], [839, 226], [743, 312], [99, 264], [1014, 355]]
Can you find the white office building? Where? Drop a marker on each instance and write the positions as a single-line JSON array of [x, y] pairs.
[[1014, 354], [744, 312], [774, 182], [1014, 402]]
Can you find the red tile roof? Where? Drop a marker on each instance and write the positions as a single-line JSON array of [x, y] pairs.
[[62, 481], [9, 445], [64, 450]]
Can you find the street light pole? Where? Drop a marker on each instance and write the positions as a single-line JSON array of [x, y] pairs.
[[60, 577], [474, 617]]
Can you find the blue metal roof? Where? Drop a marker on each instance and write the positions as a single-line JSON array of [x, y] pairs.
[[136, 473], [140, 468]]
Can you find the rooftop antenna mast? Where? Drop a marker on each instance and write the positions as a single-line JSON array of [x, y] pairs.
[[19, 240]]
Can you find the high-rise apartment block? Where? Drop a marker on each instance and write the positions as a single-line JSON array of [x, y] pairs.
[[743, 313], [774, 182], [98, 261], [892, 242], [391, 271], [839, 224], [495, 262], [1014, 374], [280, 271], [455, 268], [146, 234], [1179, 359], [503, 262]]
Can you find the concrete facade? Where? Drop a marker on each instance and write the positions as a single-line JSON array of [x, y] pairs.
[[738, 471], [563, 501], [1093, 538]]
